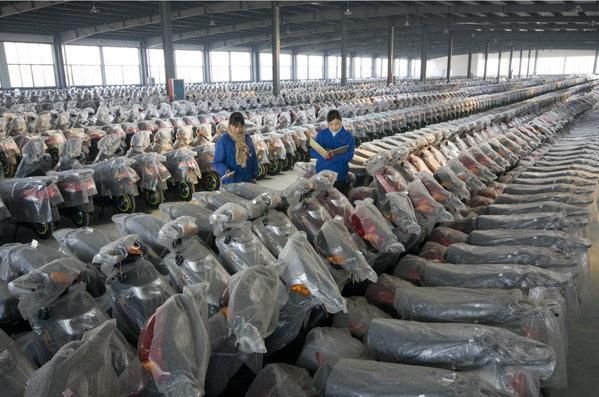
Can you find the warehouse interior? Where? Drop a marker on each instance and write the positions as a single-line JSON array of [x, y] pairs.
[[289, 198]]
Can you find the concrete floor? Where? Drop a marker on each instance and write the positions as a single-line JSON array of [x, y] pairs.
[[583, 360]]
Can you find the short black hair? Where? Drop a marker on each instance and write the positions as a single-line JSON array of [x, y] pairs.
[[236, 119], [333, 115]]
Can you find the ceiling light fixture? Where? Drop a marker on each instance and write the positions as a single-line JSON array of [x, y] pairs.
[[212, 23], [94, 10], [347, 11], [446, 31], [407, 22]]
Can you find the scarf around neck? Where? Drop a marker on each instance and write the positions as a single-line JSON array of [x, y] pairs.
[[241, 149]]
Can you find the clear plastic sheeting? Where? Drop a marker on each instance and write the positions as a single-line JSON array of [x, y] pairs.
[[382, 293], [516, 254], [273, 229], [79, 368], [9, 306], [32, 199], [251, 191], [359, 315], [278, 379], [399, 210], [307, 274], [458, 346], [182, 165], [335, 243], [309, 216], [472, 182], [201, 214], [252, 302], [115, 177], [365, 378], [82, 243], [144, 225], [447, 236], [214, 200], [433, 251], [174, 347], [16, 367], [371, 226], [335, 202], [559, 241], [328, 345], [151, 171], [542, 206], [34, 159], [17, 259], [442, 196], [535, 220], [70, 155], [425, 205]]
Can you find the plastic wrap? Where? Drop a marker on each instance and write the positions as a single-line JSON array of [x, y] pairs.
[[137, 290], [425, 205], [82, 243], [174, 346], [335, 243], [309, 216], [561, 242], [516, 254], [458, 346], [17, 259], [115, 177], [214, 200], [433, 251], [306, 273], [447, 236], [535, 220], [358, 317], [201, 214], [182, 165], [273, 229], [9, 307], [34, 159], [335, 202], [31, 200], [252, 302], [450, 181], [329, 345], [278, 379], [151, 171], [382, 293], [486, 161], [476, 168], [251, 191], [140, 141], [162, 140], [144, 225], [371, 226], [364, 378], [398, 209], [16, 367], [387, 178], [108, 147], [472, 181], [446, 198], [81, 368], [70, 154]]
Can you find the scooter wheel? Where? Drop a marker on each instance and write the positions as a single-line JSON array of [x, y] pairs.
[[125, 203], [80, 217], [55, 156], [185, 190], [7, 170], [43, 231], [275, 167], [262, 170], [288, 162], [153, 198], [210, 181]]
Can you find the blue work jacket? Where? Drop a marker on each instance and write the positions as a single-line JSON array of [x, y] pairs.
[[340, 162], [224, 160]]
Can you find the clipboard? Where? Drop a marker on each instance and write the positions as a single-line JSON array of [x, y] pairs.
[[323, 152]]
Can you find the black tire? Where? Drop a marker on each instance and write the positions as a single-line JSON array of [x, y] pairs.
[[7, 170], [43, 231], [210, 181], [79, 217], [288, 162], [124, 204], [305, 155], [153, 198], [185, 190], [55, 156], [274, 167], [262, 170]]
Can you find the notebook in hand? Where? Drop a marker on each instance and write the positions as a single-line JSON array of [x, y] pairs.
[[323, 152]]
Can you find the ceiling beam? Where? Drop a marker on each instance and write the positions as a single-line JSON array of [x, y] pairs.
[[19, 7]]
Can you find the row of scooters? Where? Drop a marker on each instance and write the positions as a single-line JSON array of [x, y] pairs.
[[318, 286]]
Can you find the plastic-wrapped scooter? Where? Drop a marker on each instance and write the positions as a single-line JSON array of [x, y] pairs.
[[153, 177], [77, 188], [205, 157], [82, 243], [116, 182], [35, 161], [184, 170], [9, 155], [16, 367]]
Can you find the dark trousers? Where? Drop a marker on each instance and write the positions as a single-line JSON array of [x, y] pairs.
[[343, 187]]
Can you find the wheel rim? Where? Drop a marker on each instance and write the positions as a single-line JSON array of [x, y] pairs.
[[184, 190], [211, 182], [153, 197], [123, 203], [79, 216], [272, 166], [42, 228]]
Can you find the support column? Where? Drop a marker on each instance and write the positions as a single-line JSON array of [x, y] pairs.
[[520, 67], [166, 23], [293, 65], [409, 71], [343, 49], [595, 62], [390, 58], [276, 51], [510, 74], [486, 60], [59, 68], [4, 76], [143, 63], [534, 71], [528, 63], [423, 55], [255, 64], [373, 66], [206, 56], [449, 55], [325, 65], [469, 71], [499, 65], [102, 66], [352, 66]]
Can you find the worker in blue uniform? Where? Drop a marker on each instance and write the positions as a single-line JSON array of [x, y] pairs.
[[332, 138], [234, 154]]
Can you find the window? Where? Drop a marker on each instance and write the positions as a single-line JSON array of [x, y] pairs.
[[415, 69], [301, 72], [241, 66], [381, 68], [30, 64], [334, 71], [401, 67], [156, 65], [121, 65], [219, 66], [190, 65], [266, 66], [365, 70], [315, 67], [83, 65], [285, 66], [581, 64]]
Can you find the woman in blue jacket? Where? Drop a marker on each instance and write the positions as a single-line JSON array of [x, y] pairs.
[[234, 154], [332, 138]]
